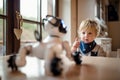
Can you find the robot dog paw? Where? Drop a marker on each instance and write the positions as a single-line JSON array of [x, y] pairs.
[[56, 66], [11, 62], [77, 58]]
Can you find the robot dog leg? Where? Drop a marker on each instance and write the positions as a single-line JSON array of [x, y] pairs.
[[19, 59]]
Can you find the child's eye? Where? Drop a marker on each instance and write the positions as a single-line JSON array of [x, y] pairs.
[[89, 33], [83, 32]]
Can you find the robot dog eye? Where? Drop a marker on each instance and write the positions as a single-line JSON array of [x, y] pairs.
[[53, 20]]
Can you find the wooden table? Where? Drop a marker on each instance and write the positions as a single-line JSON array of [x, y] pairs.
[[92, 68]]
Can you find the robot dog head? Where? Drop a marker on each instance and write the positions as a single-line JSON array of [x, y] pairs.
[[54, 26]]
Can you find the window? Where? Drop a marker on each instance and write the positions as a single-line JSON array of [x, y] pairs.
[[2, 27], [32, 17], [32, 12]]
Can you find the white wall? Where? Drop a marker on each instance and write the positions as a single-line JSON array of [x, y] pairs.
[[65, 14], [86, 9]]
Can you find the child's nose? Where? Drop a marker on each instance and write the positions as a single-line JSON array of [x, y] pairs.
[[86, 35]]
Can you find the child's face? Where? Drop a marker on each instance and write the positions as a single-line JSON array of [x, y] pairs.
[[87, 36]]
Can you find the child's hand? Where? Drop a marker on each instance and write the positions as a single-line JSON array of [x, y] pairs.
[[75, 45]]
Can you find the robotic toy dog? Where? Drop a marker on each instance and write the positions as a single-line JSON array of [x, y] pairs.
[[51, 49]]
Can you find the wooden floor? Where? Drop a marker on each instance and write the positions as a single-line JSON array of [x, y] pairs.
[[92, 68]]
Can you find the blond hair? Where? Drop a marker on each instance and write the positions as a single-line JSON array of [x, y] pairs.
[[89, 25]]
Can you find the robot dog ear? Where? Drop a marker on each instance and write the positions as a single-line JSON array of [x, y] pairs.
[[62, 27]]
